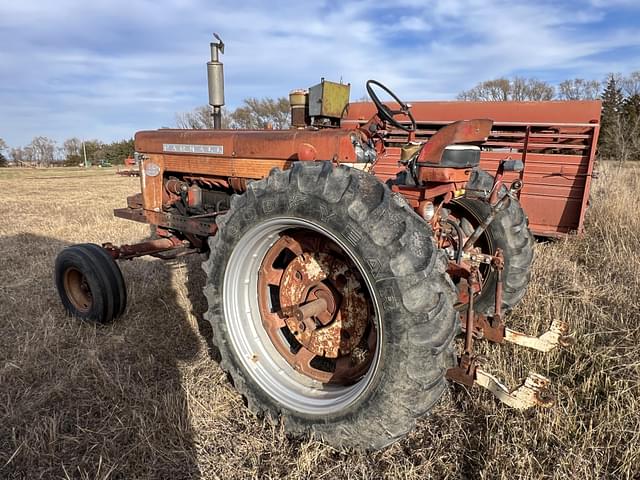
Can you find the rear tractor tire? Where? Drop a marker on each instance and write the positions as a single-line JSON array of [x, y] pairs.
[[330, 305], [509, 231], [90, 283]]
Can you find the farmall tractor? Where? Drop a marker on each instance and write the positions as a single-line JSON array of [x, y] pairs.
[[334, 298]]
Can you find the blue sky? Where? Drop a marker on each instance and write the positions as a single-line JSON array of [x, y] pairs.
[[105, 69]]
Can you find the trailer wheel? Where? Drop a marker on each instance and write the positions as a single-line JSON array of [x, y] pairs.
[[509, 231], [330, 305], [90, 283]]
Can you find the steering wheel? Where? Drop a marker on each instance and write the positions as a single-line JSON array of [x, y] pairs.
[[385, 113]]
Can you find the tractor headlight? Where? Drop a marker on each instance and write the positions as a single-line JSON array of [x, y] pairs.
[[426, 210]]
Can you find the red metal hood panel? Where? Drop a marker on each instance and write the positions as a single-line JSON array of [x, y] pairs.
[[334, 144]]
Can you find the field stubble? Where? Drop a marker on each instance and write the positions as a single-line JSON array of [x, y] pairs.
[[145, 398]]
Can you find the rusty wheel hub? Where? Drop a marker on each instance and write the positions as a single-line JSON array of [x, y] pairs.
[[315, 309], [77, 288]]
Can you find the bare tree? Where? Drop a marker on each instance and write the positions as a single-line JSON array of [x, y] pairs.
[[18, 156], [200, 118], [3, 145], [72, 147], [496, 90], [72, 151], [631, 84], [503, 89], [531, 89], [41, 151], [579, 89], [623, 137], [262, 113]]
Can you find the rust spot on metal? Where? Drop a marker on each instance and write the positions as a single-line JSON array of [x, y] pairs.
[[150, 247], [556, 336], [195, 225], [534, 392], [77, 288]]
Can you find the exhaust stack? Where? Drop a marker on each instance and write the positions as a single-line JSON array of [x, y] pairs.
[[215, 78]]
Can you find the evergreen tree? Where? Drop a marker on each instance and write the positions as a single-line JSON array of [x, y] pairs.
[[612, 103], [631, 107], [631, 119]]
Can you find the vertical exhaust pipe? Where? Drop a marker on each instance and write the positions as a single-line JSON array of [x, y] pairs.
[[215, 78]]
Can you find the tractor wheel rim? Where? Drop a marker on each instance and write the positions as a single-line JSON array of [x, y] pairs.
[[257, 327], [77, 289]]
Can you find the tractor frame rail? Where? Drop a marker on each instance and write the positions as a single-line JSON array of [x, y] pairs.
[[164, 248]]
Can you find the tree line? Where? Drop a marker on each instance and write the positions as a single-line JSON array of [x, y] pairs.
[[521, 89], [254, 113], [45, 152], [619, 134], [619, 138]]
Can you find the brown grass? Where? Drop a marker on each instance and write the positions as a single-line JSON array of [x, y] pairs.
[[143, 398]]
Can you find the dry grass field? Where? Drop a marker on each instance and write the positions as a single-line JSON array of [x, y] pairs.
[[145, 398]]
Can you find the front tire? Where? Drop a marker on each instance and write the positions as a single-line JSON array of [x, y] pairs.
[[509, 231], [90, 283], [384, 249]]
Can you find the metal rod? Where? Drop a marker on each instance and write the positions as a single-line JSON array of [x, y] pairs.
[[311, 309], [497, 315], [217, 118], [468, 334], [460, 236], [125, 252], [525, 147], [497, 208]]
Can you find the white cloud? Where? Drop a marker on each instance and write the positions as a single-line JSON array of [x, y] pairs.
[[107, 69]]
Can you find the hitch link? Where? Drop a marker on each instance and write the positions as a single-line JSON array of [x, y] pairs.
[[495, 209], [533, 392], [552, 338]]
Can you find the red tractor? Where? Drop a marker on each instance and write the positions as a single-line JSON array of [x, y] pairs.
[[334, 298]]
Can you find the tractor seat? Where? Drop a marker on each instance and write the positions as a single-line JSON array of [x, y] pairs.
[[460, 156]]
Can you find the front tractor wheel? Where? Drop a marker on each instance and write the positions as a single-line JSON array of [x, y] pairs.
[[90, 283], [330, 305]]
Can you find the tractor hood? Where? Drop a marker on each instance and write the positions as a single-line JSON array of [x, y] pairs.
[[307, 145]]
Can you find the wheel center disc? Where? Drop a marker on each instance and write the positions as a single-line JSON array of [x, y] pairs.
[[315, 309], [77, 288], [337, 325]]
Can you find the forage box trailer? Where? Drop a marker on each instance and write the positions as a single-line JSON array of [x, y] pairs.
[[555, 140]]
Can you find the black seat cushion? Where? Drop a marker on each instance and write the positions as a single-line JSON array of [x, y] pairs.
[[459, 156]]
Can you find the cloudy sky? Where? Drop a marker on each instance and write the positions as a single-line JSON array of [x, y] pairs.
[[104, 69]]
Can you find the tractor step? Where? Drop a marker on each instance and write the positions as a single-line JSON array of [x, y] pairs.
[[557, 335], [534, 392]]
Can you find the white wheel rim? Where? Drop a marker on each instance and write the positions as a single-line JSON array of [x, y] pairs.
[[251, 343]]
